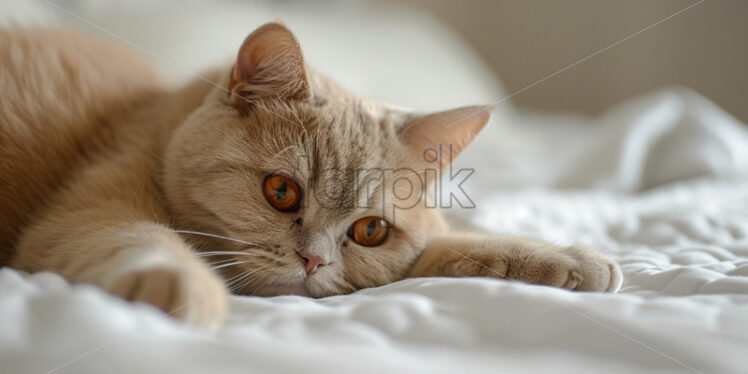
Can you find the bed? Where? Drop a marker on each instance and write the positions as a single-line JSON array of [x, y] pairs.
[[659, 182]]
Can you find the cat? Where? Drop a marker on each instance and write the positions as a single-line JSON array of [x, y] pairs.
[[247, 180]]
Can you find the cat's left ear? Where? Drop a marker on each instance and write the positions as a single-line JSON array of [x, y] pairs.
[[269, 65], [439, 138]]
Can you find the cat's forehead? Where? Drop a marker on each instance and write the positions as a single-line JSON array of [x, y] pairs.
[[339, 134]]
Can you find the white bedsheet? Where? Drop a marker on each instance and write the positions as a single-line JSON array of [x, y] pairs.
[[683, 247], [661, 183]]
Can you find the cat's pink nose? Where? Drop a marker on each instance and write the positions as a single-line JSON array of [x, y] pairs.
[[311, 262]]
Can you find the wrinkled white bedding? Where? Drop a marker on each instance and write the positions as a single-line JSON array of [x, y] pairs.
[[660, 183], [683, 246]]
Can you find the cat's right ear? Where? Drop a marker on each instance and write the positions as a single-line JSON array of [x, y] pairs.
[[269, 65]]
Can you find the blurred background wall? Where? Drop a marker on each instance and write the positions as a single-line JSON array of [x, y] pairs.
[[705, 48], [406, 43]]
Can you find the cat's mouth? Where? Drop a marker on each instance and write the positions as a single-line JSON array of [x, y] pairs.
[[308, 287], [302, 284], [303, 275]]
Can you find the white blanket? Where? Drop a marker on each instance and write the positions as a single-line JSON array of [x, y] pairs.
[[661, 183], [683, 246]]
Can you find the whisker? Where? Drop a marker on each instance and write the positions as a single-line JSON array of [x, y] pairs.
[[211, 264], [250, 276], [229, 264], [242, 281], [245, 279], [234, 279], [217, 253], [267, 282], [219, 237]]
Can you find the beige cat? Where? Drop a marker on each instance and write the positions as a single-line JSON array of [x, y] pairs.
[[262, 179]]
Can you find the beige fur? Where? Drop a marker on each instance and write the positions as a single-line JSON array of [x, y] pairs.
[[109, 177]]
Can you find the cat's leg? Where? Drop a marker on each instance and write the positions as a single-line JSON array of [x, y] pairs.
[[528, 260], [137, 260], [107, 229]]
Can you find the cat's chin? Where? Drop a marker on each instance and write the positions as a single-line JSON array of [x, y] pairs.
[[278, 287], [292, 280], [281, 290], [308, 286]]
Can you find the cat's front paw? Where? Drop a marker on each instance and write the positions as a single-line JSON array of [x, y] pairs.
[[188, 292], [575, 268]]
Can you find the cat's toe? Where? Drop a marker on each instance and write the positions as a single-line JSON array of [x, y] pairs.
[[616, 277], [594, 271], [573, 279]]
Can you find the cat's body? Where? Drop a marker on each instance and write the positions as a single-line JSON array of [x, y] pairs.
[[108, 176], [57, 114]]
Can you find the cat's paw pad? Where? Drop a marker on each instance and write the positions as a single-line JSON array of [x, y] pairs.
[[192, 295]]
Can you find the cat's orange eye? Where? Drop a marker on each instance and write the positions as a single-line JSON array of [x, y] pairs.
[[369, 231], [282, 193]]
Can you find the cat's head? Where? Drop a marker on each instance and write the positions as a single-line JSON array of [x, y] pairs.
[[326, 193]]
